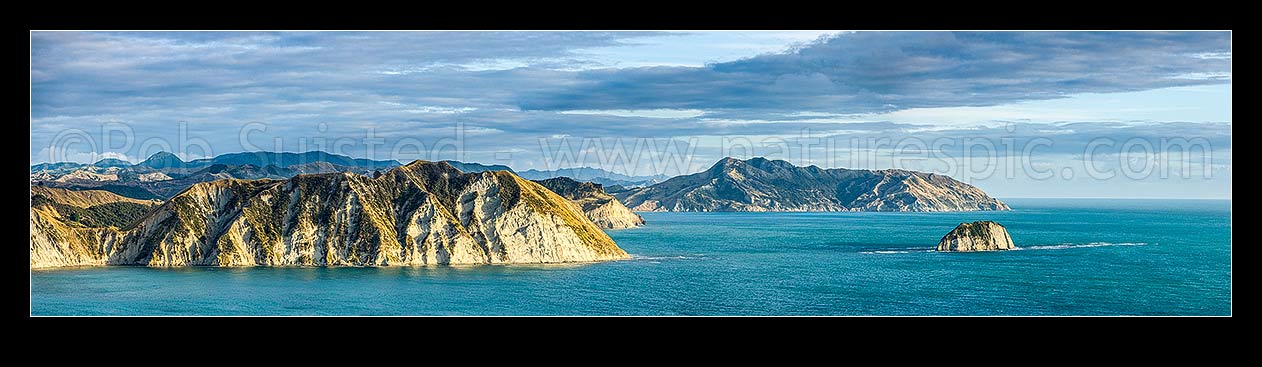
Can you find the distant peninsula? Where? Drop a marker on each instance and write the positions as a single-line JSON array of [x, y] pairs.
[[763, 185]]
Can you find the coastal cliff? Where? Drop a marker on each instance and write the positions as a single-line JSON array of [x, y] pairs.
[[419, 214], [976, 236], [602, 208], [75, 228]]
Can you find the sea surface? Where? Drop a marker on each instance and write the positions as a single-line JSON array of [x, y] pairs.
[[1076, 257]]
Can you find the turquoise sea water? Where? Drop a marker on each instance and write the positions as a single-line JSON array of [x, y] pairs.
[[1077, 257]]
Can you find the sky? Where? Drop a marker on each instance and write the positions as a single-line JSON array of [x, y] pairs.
[[1019, 114]]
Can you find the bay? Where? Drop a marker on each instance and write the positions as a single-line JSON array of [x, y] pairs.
[[1076, 257]]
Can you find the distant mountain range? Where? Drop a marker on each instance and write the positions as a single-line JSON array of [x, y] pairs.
[[164, 174], [163, 161], [595, 175], [255, 165], [756, 184], [55, 166], [112, 162], [478, 167], [582, 174], [759, 184]]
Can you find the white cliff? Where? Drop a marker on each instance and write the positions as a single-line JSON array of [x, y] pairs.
[[602, 208], [419, 214]]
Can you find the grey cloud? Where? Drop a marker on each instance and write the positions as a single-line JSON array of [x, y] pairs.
[[1067, 138], [103, 72], [293, 82], [883, 71]]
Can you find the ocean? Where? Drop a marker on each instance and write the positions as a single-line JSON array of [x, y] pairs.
[[1076, 257]]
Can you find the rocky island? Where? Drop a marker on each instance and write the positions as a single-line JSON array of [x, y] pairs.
[[763, 185], [418, 214], [976, 236]]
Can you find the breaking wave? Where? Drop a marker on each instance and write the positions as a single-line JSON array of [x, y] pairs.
[[1065, 246], [658, 258], [897, 251]]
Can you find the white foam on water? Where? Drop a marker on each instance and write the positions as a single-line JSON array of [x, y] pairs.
[[1063, 246], [882, 252], [655, 258], [1066, 246]]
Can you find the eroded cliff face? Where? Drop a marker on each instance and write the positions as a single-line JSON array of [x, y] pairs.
[[976, 236], [419, 214], [762, 185], [55, 242], [602, 208], [60, 239]]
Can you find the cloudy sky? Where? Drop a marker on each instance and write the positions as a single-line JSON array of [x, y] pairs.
[[1020, 114]]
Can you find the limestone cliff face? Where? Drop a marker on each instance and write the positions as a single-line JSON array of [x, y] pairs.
[[761, 185], [603, 209], [60, 241], [419, 214], [976, 236], [57, 243]]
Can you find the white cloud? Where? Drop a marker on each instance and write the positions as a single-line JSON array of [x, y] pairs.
[[1204, 76], [1213, 55], [117, 155], [76, 154], [440, 110], [477, 65], [655, 113]]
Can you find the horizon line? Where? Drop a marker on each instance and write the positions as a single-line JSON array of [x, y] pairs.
[[652, 175], [1108, 197]]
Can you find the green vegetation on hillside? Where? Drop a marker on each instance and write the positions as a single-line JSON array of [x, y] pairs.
[[123, 190], [117, 214]]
